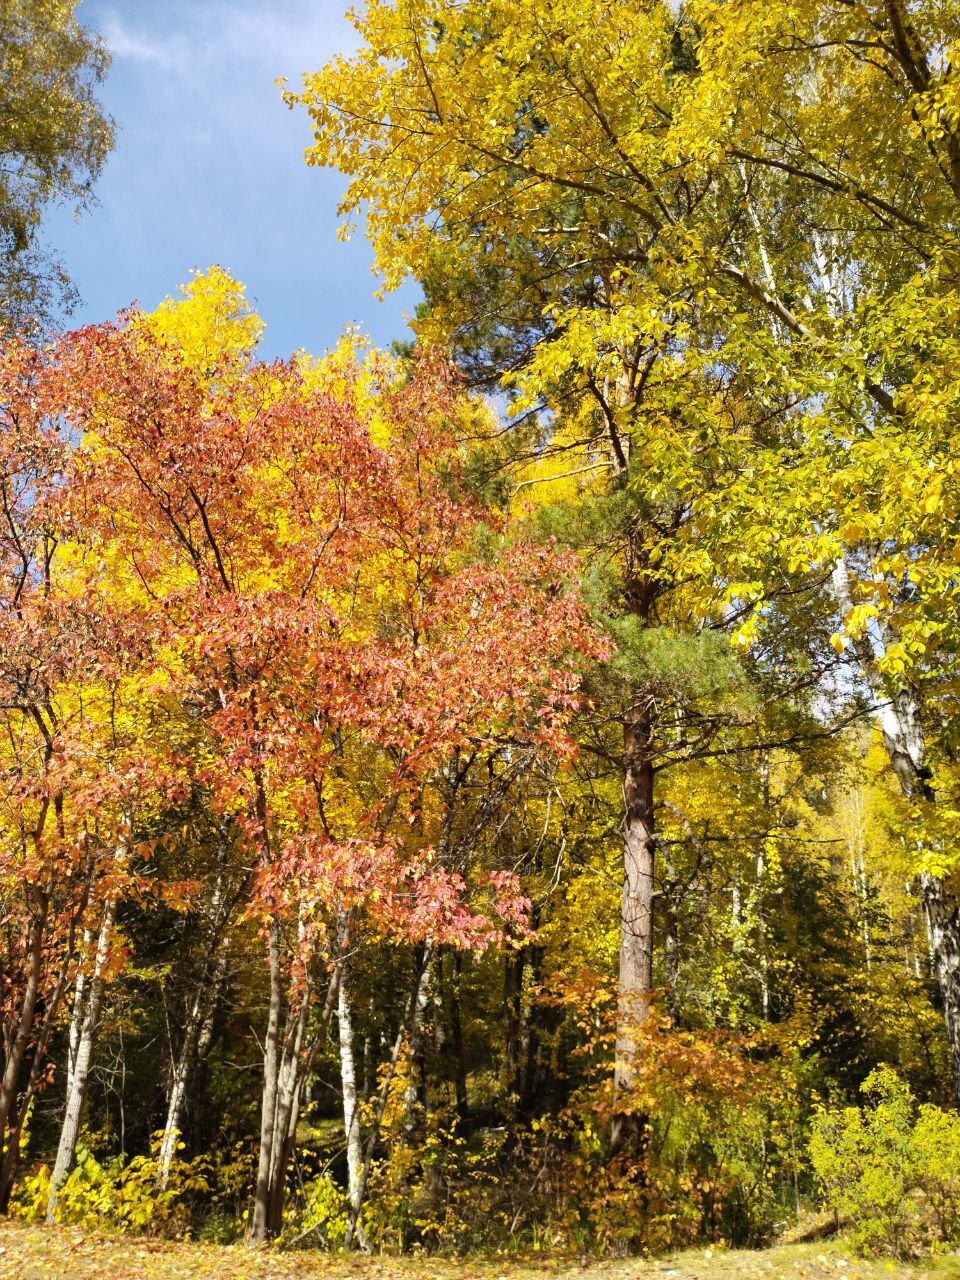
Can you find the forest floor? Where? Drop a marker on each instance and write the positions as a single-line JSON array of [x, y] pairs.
[[64, 1253]]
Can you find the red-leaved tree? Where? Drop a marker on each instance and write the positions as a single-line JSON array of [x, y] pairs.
[[284, 558]]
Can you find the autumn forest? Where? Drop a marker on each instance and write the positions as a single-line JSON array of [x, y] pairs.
[[499, 795]]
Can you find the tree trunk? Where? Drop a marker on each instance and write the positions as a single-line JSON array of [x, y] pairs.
[[635, 983], [898, 715], [17, 1051], [16, 1043], [27, 1047], [457, 1049], [83, 1061], [201, 1016], [514, 962], [197, 1038], [941, 915], [292, 1070], [905, 746], [351, 1119], [416, 1076], [77, 1014], [271, 1081], [415, 1006], [285, 1128]]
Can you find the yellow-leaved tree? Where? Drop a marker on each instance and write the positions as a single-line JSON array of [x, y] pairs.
[[721, 237]]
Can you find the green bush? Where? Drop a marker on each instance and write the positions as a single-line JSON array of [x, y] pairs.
[[118, 1194], [324, 1217], [891, 1170]]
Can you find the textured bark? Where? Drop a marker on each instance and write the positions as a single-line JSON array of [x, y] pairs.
[[197, 1039], [8, 1168], [201, 1013], [79, 1075], [24, 1050], [295, 1065], [421, 1001], [940, 911], [14, 1057], [294, 1060], [16, 1042], [271, 1081], [416, 1004], [76, 1016], [635, 981], [351, 1121]]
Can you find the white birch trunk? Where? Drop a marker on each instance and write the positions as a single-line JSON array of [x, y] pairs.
[[197, 1038], [420, 1002], [351, 1119], [898, 716], [268, 1106], [82, 1062], [76, 1017], [408, 1023]]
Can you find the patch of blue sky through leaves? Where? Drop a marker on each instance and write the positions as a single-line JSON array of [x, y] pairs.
[[209, 168]]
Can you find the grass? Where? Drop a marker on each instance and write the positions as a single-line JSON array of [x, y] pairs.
[[64, 1253]]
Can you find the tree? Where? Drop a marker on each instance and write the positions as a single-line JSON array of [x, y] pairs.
[[295, 568], [290, 795], [72, 762], [684, 232], [54, 138]]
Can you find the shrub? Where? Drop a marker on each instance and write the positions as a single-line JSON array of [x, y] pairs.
[[325, 1215], [893, 1172], [118, 1194]]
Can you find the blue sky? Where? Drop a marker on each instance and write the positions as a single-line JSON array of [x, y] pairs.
[[209, 168]]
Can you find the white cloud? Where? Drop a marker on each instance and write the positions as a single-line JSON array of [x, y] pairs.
[[142, 46], [214, 35], [295, 42]]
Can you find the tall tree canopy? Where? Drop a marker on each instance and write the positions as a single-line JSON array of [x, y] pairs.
[[717, 242], [508, 790], [54, 138]]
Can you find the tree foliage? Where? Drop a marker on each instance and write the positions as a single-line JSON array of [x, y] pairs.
[[510, 785], [54, 138]]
